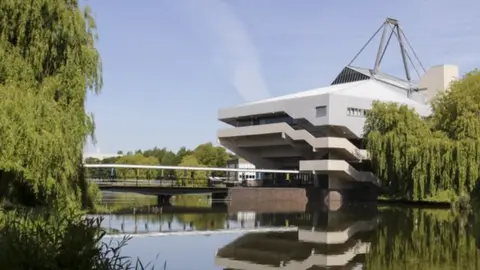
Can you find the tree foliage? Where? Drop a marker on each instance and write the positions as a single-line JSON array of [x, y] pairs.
[[211, 156], [206, 155], [137, 159], [48, 61], [428, 159], [188, 177]]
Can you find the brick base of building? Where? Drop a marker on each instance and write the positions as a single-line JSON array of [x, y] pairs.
[[294, 199]]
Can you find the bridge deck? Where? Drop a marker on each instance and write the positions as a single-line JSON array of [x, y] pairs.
[[156, 187]]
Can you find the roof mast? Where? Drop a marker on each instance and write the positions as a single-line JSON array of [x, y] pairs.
[[393, 26]]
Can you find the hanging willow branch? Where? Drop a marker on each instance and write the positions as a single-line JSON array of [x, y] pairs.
[[48, 61], [419, 159]]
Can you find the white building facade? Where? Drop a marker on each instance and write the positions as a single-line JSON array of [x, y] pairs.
[[320, 131]]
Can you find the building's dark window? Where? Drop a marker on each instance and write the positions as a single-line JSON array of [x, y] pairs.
[[321, 111], [357, 112], [263, 120]]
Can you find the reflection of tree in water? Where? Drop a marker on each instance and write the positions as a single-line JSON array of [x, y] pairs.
[[191, 200], [212, 221], [208, 221], [423, 239], [120, 201]]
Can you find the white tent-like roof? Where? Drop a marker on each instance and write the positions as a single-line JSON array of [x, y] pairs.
[[372, 89]]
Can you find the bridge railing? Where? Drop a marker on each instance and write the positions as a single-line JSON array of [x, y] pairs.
[[199, 183], [138, 224], [155, 183]]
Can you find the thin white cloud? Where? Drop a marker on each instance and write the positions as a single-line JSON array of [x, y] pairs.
[[236, 54]]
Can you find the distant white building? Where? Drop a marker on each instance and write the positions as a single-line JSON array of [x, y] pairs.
[[240, 163]]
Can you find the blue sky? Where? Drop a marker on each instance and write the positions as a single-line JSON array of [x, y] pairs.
[[169, 65]]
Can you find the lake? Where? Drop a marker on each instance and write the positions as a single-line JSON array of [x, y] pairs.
[[193, 234]]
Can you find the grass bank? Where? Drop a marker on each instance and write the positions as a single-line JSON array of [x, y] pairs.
[[442, 200]]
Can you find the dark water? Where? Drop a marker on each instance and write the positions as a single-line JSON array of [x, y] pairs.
[[353, 237]]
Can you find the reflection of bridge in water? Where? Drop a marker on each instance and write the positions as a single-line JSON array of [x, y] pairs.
[[191, 220], [207, 232]]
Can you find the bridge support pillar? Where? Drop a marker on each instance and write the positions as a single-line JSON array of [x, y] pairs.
[[163, 199], [219, 196], [344, 190]]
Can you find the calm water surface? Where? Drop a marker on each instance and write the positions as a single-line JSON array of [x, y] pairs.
[[198, 236]]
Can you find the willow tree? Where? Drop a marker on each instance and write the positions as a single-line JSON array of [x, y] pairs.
[[48, 62], [436, 158]]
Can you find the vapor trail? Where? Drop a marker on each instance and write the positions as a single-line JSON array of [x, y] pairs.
[[236, 51]]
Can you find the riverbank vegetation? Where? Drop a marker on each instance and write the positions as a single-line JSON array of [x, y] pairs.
[[48, 63], [204, 155], [432, 159], [424, 239]]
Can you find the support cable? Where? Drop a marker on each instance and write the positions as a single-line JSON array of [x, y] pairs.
[[408, 55], [413, 51], [366, 44]]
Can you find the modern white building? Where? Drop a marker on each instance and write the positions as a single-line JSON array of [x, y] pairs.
[[320, 130]]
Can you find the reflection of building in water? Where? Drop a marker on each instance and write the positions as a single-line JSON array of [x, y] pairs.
[[337, 240], [246, 219]]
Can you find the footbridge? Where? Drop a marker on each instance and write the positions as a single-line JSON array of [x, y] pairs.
[[346, 181], [166, 187]]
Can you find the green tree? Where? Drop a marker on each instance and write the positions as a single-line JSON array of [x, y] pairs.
[[181, 153], [156, 152], [222, 157], [433, 159], [169, 159], [92, 160], [211, 156], [206, 154], [137, 159], [48, 62], [191, 178]]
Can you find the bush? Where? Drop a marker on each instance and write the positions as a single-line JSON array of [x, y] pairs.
[[94, 196], [54, 240]]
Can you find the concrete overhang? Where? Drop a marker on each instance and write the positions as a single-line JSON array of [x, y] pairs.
[[340, 169], [296, 138]]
